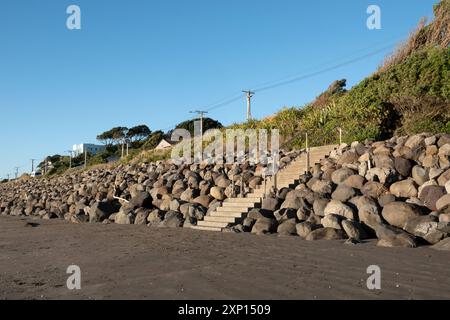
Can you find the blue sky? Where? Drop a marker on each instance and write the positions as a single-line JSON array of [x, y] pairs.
[[150, 62]]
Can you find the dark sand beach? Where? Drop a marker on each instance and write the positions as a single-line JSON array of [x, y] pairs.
[[138, 262]]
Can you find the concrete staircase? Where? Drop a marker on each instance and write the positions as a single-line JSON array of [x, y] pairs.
[[234, 210]]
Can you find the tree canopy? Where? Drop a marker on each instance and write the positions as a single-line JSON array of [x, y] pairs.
[[208, 124], [138, 133]]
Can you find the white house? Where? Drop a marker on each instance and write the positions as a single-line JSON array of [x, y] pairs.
[[90, 148], [165, 144]]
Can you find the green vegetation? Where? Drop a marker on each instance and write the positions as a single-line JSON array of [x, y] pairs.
[[208, 123], [410, 93]]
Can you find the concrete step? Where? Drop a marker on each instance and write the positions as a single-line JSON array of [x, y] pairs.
[[238, 204], [212, 224], [221, 219], [232, 209], [227, 214], [214, 229], [235, 209], [241, 200]]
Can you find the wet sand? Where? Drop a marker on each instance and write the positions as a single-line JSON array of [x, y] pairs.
[[138, 262]]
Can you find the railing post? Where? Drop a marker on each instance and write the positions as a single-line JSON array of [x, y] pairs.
[[308, 164], [265, 186], [275, 182]]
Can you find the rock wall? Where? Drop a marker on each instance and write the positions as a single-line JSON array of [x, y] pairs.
[[396, 190], [158, 194]]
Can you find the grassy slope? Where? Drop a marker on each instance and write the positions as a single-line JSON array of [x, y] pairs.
[[410, 93]]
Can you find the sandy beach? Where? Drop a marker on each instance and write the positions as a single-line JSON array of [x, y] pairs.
[[138, 262]]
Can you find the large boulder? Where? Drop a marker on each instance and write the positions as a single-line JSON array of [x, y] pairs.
[[172, 219], [404, 189], [443, 245], [347, 157], [264, 226], [420, 175], [374, 189], [343, 193], [141, 216], [188, 194], [287, 228], [425, 227], [305, 228], [444, 177], [285, 214], [398, 213], [403, 166], [385, 199], [332, 221], [155, 217], [204, 200], [270, 204], [339, 208], [217, 193], [319, 206], [415, 141], [383, 161], [355, 181], [430, 195], [325, 234], [393, 237], [141, 199], [339, 176], [368, 211], [293, 201], [321, 186], [354, 230], [443, 202], [101, 210], [124, 218], [384, 176]]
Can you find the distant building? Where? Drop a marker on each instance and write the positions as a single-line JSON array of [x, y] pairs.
[[90, 148], [165, 144]]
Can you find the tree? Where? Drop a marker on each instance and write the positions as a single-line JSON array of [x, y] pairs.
[[106, 138], [114, 135], [138, 133], [153, 140], [119, 134], [208, 124]]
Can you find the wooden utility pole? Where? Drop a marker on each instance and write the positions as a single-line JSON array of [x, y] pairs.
[[201, 114], [70, 158], [32, 164], [85, 157], [249, 94], [340, 135]]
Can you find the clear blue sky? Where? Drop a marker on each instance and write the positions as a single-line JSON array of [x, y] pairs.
[[150, 62]]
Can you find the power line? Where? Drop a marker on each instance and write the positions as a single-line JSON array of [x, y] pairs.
[[281, 82], [297, 77], [312, 74], [392, 41]]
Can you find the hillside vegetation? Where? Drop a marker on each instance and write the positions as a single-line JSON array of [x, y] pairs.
[[410, 93]]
